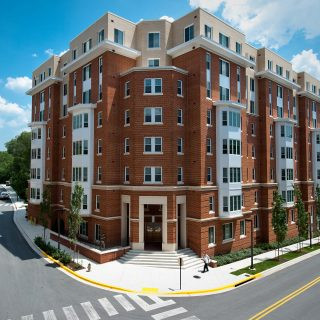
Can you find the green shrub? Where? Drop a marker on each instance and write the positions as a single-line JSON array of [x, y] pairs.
[[52, 251]]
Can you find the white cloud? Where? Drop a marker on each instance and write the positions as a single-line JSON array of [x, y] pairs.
[[63, 52], [18, 84], [49, 52], [170, 19], [13, 115], [270, 23], [34, 55], [307, 61]]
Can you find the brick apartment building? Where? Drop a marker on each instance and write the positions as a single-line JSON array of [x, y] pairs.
[[178, 132]]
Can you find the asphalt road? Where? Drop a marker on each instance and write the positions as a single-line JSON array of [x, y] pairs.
[[31, 288]]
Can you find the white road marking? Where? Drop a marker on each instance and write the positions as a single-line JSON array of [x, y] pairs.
[[49, 315], [70, 313], [28, 317], [108, 307], [89, 310], [149, 307], [168, 314], [124, 302], [191, 318]]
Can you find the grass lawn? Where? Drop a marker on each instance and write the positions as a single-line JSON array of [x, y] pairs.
[[262, 266]]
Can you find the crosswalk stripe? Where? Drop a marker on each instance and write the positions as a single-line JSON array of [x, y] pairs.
[[28, 317], [124, 302], [168, 314], [70, 313], [149, 307], [191, 318], [49, 315], [89, 310], [108, 307]]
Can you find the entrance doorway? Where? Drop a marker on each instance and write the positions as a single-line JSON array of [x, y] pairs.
[[152, 227]]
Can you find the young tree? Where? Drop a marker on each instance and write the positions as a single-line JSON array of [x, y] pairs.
[[45, 210], [74, 218], [279, 223], [302, 220], [318, 205]]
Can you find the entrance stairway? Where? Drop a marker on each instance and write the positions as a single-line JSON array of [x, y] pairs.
[[162, 259]]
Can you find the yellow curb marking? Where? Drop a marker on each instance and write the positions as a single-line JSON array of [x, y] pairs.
[[150, 290], [284, 300]]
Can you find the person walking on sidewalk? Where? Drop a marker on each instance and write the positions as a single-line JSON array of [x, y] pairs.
[[206, 260]]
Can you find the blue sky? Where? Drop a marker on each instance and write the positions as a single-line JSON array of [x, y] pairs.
[[29, 28]]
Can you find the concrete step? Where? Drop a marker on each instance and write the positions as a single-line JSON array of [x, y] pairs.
[[162, 259]]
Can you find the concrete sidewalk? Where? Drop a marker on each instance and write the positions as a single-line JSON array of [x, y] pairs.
[[138, 278]]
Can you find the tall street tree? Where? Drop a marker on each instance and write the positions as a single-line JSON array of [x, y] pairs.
[[6, 160], [74, 217], [19, 149], [302, 219], [279, 223], [45, 213]]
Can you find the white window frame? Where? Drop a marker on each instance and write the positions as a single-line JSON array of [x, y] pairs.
[[153, 145], [148, 40], [152, 174], [153, 116], [153, 87]]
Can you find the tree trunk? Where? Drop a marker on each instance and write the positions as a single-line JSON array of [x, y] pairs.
[[278, 251]]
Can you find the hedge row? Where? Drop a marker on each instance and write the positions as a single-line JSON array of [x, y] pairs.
[[52, 251], [246, 253]]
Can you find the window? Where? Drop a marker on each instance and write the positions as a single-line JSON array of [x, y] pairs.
[[188, 33], [224, 118], [211, 204], [76, 174], [289, 174], [152, 115], [152, 144], [99, 147], [211, 235], [153, 86], [225, 204], [97, 202], [290, 194], [85, 174], [83, 230], [252, 107], [63, 152], [126, 174], [242, 228], [318, 156], [208, 32], [279, 70], [256, 221], [234, 146], [86, 46], [179, 88], [180, 145], [235, 175], [225, 175], [235, 203], [86, 96], [100, 65], [238, 84], [86, 72], [253, 151], [224, 146], [253, 174], [208, 74], [97, 232], [209, 146], [283, 152], [127, 118], [152, 63], [234, 119], [270, 65], [100, 36], [251, 84], [209, 117], [209, 174], [238, 47], [152, 174], [227, 229], [318, 138], [154, 40], [224, 68], [74, 54], [99, 120], [253, 129], [127, 89], [179, 117], [126, 145], [256, 197], [85, 146], [65, 89], [224, 94], [288, 74], [224, 40], [118, 36], [99, 174], [180, 175], [292, 216]]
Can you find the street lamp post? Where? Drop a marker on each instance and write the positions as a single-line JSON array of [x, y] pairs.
[[251, 224], [310, 224]]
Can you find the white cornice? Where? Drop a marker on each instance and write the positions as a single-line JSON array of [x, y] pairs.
[[42, 85], [82, 107], [164, 68], [37, 124], [229, 103], [99, 49], [309, 95], [203, 42], [286, 120], [279, 79]]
